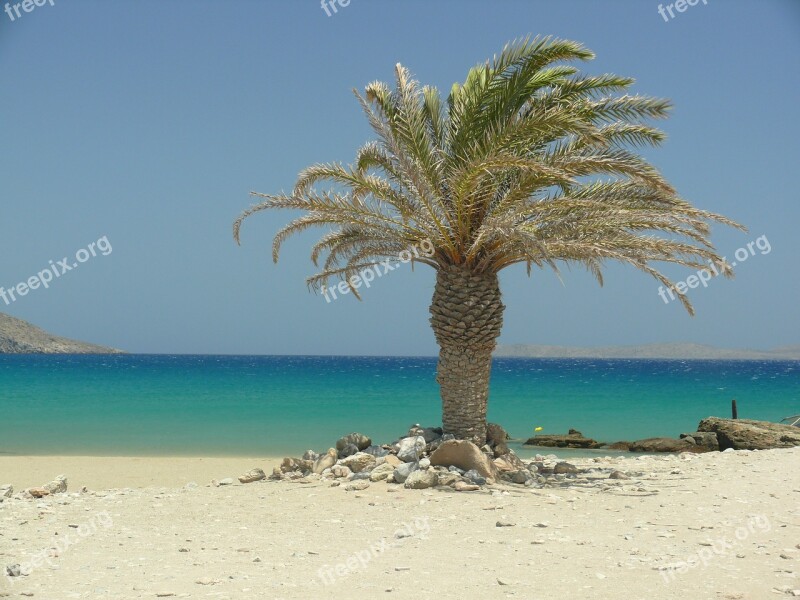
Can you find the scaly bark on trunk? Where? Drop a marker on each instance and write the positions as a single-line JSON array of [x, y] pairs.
[[466, 316]]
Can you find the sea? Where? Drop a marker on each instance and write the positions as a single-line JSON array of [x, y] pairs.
[[145, 405]]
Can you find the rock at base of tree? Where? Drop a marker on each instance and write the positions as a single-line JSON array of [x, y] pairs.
[[748, 434], [252, 475], [475, 477], [359, 440], [465, 455], [421, 480], [509, 462], [360, 461], [411, 449], [326, 461], [402, 472]]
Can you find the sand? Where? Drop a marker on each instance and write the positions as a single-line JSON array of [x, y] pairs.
[[706, 527]]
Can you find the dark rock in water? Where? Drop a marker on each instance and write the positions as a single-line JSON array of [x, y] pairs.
[[348, 450], [625, 446], [664, 445], [475, 477], [574, 439], [564, 468], [706, 439], [357, 439], [747, 434]]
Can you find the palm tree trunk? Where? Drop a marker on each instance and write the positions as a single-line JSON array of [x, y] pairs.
[[466, 316]]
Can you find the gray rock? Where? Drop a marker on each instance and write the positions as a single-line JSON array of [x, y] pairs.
[[310, 455], [420, 480], [348, 450], [618, 475], [57, 486], [359, 440], [522, 476], [411, 448], [13, 571], [6, 491], [226, 481], [376, 451], [475, 477], [455, 469], [564, 468], [361, 475], [402, 472]]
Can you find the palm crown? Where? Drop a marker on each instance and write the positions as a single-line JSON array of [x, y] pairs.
[[528, 161]]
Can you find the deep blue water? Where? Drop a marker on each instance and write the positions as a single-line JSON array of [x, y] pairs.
[[264, 405]]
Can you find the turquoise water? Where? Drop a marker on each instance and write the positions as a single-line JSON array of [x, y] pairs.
[[264, 405]]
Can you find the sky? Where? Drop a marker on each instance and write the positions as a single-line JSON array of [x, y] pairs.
[[147, 123]]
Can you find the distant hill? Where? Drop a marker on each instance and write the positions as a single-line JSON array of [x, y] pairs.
[[19, 337], [681, 351]]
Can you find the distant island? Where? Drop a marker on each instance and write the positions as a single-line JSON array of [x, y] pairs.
[[665, 351], [20, 337]]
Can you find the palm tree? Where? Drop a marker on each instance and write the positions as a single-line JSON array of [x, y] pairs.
[[528, 162]]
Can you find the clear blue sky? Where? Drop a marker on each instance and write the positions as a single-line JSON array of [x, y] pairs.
[[150, 121]]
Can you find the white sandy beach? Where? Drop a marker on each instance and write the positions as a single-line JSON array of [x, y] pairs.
[[710, 526]]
